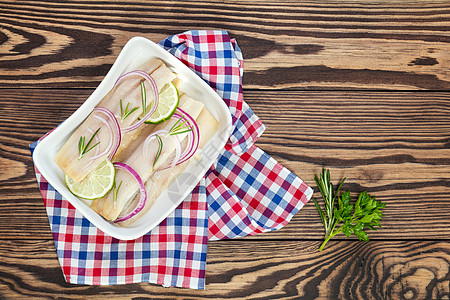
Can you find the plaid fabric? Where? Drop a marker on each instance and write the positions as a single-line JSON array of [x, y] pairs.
[[251, 193], [244, 193], [218, 60]]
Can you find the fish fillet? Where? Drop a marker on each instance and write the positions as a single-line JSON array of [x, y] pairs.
[[162, 179], [163, 75], [68, 158], [141, 159]]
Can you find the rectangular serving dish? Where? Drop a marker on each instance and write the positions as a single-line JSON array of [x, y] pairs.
[[137, 51]]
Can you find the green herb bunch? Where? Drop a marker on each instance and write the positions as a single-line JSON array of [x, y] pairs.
[[340, 215]]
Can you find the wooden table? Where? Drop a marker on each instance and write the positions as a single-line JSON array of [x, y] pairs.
[[359, 87]]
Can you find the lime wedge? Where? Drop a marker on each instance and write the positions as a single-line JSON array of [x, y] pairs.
[[168, 103], [96, 185]]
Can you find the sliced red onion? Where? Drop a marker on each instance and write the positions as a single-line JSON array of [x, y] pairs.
[[193, 137], [189, 146], [177, 151], [108, 148], [192, 142], [142, 189], [154, 87], [91, 161], [149, 138], [114, 131]]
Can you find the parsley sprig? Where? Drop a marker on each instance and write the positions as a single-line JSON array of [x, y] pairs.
[[344, 216]]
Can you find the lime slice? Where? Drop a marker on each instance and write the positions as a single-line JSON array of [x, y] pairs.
[[168, 103], [96, 185]]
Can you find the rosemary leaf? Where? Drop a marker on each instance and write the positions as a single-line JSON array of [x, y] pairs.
[[180, 132], [144, 98], [125, 113], [92, 147], [180, 128], [175, 125], [116, 191], [158, 153], [84, 148], [80, 144]]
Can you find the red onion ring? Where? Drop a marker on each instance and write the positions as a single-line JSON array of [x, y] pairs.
[[142, 189], [108, 148], [154, 87], [149, 138], [115, 128], [178, 147], [163, 133], [193, 141], [91, 161]]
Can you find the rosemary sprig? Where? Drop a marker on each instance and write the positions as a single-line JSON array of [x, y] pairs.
[[125, 113], [158, 153], [83, 148], [116, 191], [179, 128], [144, 98]]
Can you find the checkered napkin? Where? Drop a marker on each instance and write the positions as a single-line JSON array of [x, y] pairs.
[[245, 192]]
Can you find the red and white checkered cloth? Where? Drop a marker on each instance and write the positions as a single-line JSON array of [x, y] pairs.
[[245, 192]]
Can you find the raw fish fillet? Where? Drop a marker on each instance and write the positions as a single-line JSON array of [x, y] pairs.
[[162, 179], [141, 158], [163, 75], [68, 158]]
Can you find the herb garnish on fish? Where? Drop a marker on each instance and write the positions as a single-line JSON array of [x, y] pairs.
[[116, 191], [144, 98], [125, 113], [83, 148]]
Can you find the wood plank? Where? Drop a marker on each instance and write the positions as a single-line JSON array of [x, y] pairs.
[[246, 269], [286, 44], [395, 145]]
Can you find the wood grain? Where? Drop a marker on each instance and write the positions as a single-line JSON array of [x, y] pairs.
[[322, 75], [246, 269], [307, 45], [395, 145]]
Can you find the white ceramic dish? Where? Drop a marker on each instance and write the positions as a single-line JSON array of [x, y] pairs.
[[137, 51]]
